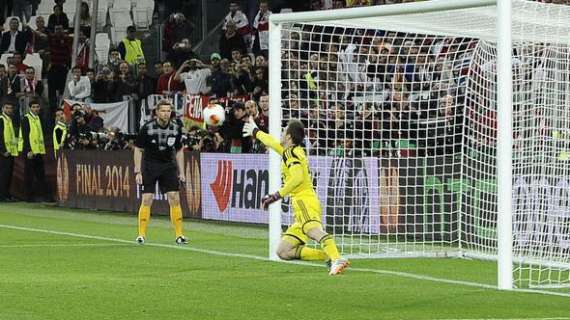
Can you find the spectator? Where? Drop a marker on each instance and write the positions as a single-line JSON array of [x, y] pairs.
[[260, 83], [239, 20], [29, 89], [220, 80], [236, 56], [17, 60], [14, 40], [182, 51], [131, 48], [84, 18], [243, 78], [261, 29], [40, 37], [13, 81], [195, 78], [146, 83], [260, 61], [82, 58], [4, 82], [230, 41], [114, 60], [59, 44], [262, 120], [167, 84], [175, 29], [57, 18], [79, 87], [126, 84], [104, 87]]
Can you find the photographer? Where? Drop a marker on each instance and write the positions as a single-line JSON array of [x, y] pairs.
[[195, 77], [114, 140]]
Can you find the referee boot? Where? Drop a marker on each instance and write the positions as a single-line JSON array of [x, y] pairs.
[[181, 240]]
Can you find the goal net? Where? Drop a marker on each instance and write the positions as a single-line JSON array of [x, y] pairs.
[[401, 117]]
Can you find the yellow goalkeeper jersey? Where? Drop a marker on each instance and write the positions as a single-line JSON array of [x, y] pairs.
[[297, 180]]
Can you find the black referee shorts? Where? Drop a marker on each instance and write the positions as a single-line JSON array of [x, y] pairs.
[[165, 173]]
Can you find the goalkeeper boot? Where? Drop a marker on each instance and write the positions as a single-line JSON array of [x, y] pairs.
[[338, 266], [140, 240], [181, 240]]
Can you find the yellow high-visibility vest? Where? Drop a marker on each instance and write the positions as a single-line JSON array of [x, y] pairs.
[[133, 51], [36, 135], [56, 145], [9, 136]]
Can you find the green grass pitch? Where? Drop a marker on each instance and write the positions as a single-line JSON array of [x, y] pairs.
[[75, 264]]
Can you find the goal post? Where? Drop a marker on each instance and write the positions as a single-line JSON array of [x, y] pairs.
[[504, 147], [420, 118]]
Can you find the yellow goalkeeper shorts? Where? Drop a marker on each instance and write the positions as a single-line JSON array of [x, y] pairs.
[[307, 213]]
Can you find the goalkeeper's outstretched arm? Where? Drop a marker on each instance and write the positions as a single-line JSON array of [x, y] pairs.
[[250, 130]]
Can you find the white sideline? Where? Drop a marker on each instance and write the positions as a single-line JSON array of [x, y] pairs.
[[563, 318], [59, 245], [253, 257]]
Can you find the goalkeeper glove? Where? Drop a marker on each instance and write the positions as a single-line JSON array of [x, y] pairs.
[[249, 128], [269, 199]]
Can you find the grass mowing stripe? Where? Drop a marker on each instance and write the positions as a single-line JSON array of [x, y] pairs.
[[259, 258], [59, 245]]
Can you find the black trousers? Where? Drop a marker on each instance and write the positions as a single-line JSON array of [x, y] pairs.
[[35, 179], [6, 169], [57, 75]]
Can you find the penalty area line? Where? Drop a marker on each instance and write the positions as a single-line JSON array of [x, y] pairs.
[[259, 258]]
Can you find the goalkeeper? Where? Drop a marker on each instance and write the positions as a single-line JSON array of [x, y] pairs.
[[306, 206]]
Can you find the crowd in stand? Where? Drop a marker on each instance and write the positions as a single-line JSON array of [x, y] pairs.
[[326, 73]]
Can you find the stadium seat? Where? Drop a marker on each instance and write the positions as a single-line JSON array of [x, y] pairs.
[[45, 8], [121, 4], [69, 8], [102, 46], [120, 14], [102, 14], [34, 60], [7, 23], [117, 35], [4, 59], [32, 22], [142, 13]]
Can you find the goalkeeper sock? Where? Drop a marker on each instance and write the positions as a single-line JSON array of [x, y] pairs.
[[310, 254], [144, 217], [176, 219], [329, 246]]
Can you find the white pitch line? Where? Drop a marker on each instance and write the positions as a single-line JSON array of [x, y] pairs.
[[259, 258], [59, 245], [563, 318]]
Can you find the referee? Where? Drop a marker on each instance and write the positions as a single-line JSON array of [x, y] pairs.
[[159, 149]]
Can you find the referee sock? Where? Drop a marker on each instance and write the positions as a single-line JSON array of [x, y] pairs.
[[310, 254], [176, 219], [329, 246], [144, 217]]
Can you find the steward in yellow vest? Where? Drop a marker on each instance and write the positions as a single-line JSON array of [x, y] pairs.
[[131, 48], [8, 150], [33, 147], [59, 131]]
